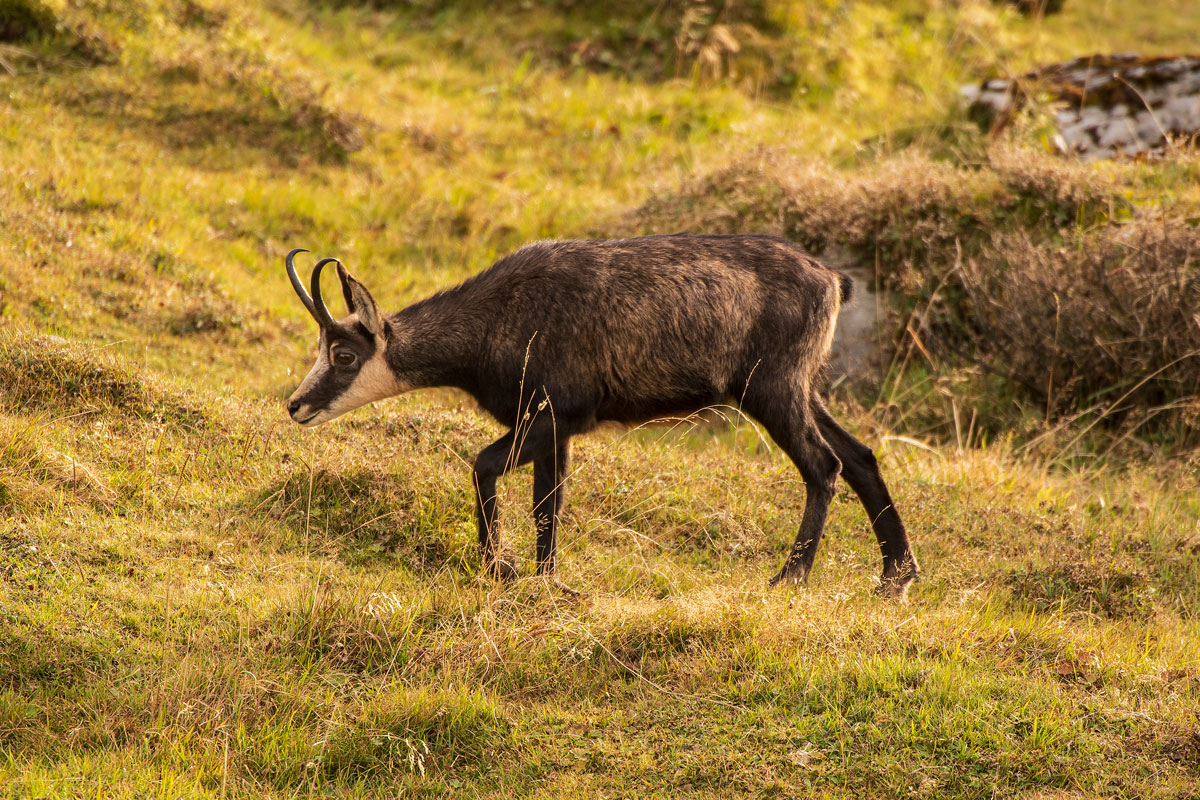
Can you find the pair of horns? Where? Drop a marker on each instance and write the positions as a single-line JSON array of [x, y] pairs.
[[315, 304]]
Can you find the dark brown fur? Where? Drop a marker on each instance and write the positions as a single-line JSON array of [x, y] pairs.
[[560, 336]]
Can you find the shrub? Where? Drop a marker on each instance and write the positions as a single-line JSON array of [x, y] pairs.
[[24, 19], [1035, 269], [1108, 318]]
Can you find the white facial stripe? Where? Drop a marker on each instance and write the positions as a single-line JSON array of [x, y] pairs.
[[314, 376], [374, 381]]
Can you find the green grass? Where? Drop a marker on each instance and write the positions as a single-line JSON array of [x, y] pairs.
[[200, 599]]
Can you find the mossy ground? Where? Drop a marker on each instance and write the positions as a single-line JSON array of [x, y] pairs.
[[199, 599]]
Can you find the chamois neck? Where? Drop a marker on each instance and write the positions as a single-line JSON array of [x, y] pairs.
[[436, 342]]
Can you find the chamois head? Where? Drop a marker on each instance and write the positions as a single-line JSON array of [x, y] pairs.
[[351, 368]]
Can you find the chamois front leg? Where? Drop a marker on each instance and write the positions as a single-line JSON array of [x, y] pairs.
[[492, 462], [534, 439], [549, 494]]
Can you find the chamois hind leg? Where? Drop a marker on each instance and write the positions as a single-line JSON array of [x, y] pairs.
[[530, 441], [795, 431], [861, 471]]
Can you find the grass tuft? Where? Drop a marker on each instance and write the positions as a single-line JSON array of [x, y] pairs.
[[50, 374], [199, 599]]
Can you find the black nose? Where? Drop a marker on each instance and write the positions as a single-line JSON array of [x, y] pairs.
[[293, 407]]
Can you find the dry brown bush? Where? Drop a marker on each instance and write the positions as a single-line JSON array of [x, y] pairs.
[[1035, 269], [1110, 319], [907, 209]]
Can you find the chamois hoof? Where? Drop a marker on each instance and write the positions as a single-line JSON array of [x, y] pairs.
[[565, 590], [503, 569], [795, 577], [894, 586]]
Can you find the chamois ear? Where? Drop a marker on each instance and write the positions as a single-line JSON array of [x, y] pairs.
[[360, 302]]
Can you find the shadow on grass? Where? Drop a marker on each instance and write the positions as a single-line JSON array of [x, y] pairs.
[[35, 36], [361, 515], [1116, 592], [47, 373], [220, 127], [56, 690]]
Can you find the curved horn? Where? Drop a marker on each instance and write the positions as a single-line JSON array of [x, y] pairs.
[[319, 309], [298, 284]]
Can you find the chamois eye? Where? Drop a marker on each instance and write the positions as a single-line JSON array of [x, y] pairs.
[[344, 359]]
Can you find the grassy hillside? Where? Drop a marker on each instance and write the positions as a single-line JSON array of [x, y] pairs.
[[199, 599]]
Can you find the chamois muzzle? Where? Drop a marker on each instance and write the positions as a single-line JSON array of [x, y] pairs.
[[315, 304]]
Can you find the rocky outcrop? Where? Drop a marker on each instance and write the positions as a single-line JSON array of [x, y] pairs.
[[1105, 106]]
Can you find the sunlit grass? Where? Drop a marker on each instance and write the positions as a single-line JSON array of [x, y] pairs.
[[198, 599]]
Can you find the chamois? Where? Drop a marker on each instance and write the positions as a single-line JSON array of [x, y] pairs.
[[562, 335]]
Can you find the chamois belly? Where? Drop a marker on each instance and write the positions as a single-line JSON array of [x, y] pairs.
[[678, 404]]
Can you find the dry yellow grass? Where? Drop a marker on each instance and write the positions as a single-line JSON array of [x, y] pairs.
[[199, 599]]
